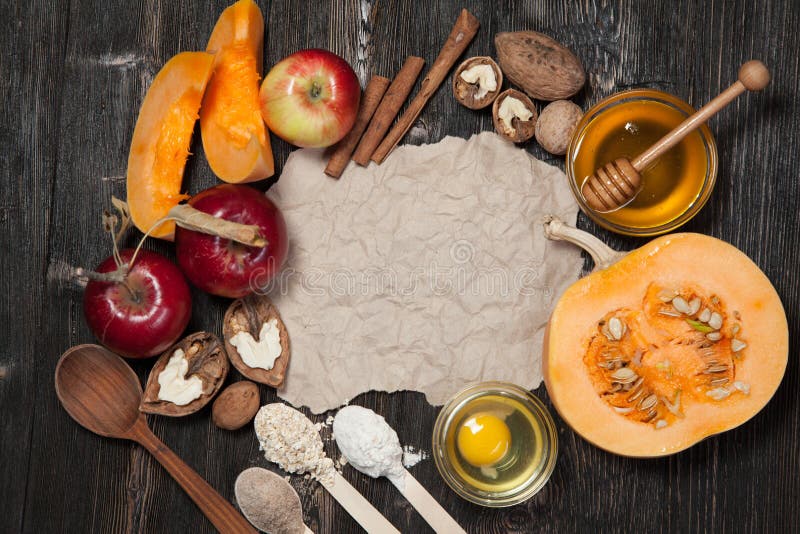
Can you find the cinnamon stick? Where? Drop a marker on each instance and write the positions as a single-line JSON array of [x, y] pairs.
[[390, 106], [463, 31], [369, 103]]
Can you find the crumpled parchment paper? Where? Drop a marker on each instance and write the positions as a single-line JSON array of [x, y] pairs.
[[426, 273]]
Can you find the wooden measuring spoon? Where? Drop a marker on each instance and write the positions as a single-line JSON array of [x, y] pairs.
[[423, 502], [616, 183], [102, 393]]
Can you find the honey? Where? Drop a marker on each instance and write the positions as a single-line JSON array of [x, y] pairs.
[[674, 187]]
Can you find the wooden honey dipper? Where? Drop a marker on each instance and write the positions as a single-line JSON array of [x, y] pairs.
[[616, 183]]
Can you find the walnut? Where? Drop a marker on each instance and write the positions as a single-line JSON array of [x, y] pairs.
[[206, 360], [477, 82], [514, 116], [556, 124]]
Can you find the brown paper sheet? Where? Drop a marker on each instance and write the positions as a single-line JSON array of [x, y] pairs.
[[426, 273]]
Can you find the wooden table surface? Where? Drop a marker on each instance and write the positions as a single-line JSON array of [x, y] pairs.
[[74, 73]]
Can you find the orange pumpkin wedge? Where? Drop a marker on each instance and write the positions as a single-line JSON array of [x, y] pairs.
[[664, 346], [161, 140], [235, 139]]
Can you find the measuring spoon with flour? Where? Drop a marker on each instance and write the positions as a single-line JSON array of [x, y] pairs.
[[372, 447], [289, 439]]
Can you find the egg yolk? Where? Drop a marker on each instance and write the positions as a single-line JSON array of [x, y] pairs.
[[483, 439]]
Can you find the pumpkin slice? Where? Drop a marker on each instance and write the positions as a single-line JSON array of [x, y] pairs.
[[662, 347], [235, 139], [161, 140]]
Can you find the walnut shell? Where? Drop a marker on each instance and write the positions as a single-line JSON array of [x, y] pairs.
[[541, 66], [467, 93], [556, 125], [207, 360], [519, 131], [236, 405], [249, 314]]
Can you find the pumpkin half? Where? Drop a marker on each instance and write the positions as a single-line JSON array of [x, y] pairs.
[[661, 347], [235, 139], [161, 140]]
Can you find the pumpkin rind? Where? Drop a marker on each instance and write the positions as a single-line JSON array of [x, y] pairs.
[[161, 139], [669, 261]]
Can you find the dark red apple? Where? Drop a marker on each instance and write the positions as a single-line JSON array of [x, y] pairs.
[[224, 267], [144, 314], [310, 98]]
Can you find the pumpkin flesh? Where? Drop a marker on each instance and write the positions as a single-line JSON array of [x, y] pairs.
[[161, 140], [235, 139], [672, 350]]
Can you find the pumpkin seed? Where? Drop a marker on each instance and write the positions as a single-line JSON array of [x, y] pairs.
[[715, 369], [668, 313], [719, 393], [715, 321], [700, 327], [744, 387], [650, 415], [616, 328], [680, 304], [637, 356], [661, 423], [737, 345], [624, 375], [736, 328], [719, 381], [694, 305], [648, 402], [666, 295], [714, 336], [675, 406], [636, 394], [622, 410], [705, 315]]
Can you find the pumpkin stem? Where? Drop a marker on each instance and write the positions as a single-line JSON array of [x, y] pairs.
[[603, 255], [191, 218]]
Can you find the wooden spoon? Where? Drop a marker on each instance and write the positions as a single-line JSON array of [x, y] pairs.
[[102, 393], [616, 183]]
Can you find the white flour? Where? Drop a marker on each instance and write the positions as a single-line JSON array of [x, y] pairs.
[[369, 443], [289, 439], [412, 457]]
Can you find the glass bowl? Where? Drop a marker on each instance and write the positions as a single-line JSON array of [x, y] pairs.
[[540, 465], [689, 169]]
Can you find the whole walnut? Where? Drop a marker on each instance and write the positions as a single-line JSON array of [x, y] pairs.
[[236, 405], [556, 125]]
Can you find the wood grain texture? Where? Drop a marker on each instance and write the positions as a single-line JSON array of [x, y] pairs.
[[74, 75]]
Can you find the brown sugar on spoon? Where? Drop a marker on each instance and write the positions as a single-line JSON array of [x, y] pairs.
[[256, 340], [616, 183]]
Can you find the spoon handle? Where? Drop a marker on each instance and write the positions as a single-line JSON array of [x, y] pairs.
[[358, 507], [428, 507], [218, 510], [753, 76]]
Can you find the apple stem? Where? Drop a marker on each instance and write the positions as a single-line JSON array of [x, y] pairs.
[[117, 276], [316, 90]]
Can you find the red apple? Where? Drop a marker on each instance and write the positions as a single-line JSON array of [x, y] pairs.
[[143, 314], [310, 99], [223, 267]]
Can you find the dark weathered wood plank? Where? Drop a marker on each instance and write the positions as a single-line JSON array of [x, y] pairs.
[[77, 77], [29, 97]]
